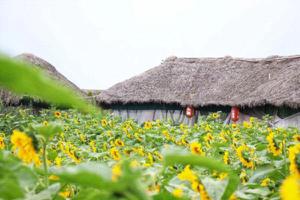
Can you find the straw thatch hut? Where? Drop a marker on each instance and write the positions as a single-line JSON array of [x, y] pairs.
[[256, 86], [10, 99]]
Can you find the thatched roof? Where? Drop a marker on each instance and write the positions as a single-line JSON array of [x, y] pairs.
[[9, 98], [222, 81]]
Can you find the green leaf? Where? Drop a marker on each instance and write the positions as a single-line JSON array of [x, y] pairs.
[[24, 79], [260, 174], [50, 130], [26, 177], [15, 178], [87, 174], [46, 194], [10, 188], [166, 196], [214, 188], [91, 194]]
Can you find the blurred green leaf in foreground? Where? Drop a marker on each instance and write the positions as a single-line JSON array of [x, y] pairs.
[[23, 79]]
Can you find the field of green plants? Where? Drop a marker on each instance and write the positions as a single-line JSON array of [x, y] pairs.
[[57, 154], [87, 154]]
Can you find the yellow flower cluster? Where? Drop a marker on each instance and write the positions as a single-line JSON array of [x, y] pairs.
[[23, 148], [69, 149], [188, 175], [208, 139]]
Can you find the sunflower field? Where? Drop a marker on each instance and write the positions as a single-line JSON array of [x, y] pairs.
[[64, 154]]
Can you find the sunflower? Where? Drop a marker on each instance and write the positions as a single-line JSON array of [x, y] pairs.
[[187, 175], [57, 114], [66, 194], [119, 142], [273, 147], [252, 119], [215, 115], [208, 139], [23, 147], [93, 146], [233, 197], [148, 125], [58, 161], [82, 138], [150, 159], [199, 187], [244, 153], [222, 136], [177, 192], [208, 128], [266, 182], [234, 125], [294, 157], [104, 122], [45, 123], [296, 138], [115, 153], [2, 144], [166, 134], [247, 124], [116, 172], [195, 148], [290, 188], [226, 158], [243, 176]]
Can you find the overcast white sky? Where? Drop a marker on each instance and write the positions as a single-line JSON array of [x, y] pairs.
[[98, 43]]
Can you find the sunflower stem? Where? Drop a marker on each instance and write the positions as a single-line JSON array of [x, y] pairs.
[[45, 163]]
